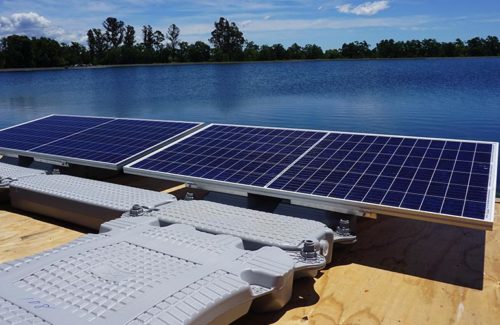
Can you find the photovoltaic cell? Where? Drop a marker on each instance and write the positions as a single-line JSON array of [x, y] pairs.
[[116, 140], [243, 155], [439, 176], [427, 176], [100, 140], [39, 132]]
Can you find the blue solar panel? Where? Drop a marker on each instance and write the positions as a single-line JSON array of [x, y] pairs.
[[439, 176], [390, 173], [39, 132], [88, 139], [243, 155], [116, 140]]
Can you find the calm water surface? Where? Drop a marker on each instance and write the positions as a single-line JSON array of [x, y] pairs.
[[451, 98]]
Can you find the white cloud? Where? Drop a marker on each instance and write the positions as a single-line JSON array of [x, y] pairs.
[[23, 22], [33, 24], [201, 31], [245, 23], [302, 24], [364, 9], [100, 7]]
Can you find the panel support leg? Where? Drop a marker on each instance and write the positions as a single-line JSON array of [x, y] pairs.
[[262, 203], [88, 172], [345, 232], [24, 161]]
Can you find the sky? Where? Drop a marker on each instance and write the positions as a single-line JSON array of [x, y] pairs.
[[325, 23]]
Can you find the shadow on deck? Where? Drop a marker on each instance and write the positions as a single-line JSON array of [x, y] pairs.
[[436, 252]]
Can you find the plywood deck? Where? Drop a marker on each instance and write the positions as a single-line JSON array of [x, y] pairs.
[[400, 272]]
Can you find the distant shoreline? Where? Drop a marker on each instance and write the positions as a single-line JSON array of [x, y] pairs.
[[106, 66]]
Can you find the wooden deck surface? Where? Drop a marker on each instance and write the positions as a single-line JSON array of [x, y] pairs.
[[400, 272]]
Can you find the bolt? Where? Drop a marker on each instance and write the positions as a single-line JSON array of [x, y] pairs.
[[309, 249]]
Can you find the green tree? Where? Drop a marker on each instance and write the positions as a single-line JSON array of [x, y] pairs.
[[449, 49], [183, 52], [129, 39], [129, 52], [47, 53], [114, 31], [146, 47], [492, 46], [97, 44], [266, 53], [412, 49], [389, 49], [18, 51], [313, 51], [147, 36], [356, 50], [295, 52], [74, 54], [475, 47], [431, 48], [251, 51], [198, 52], [158, 39], [2, 55], [279, 52], [460, 47], [227, 40], [173, 33], [332, 54]]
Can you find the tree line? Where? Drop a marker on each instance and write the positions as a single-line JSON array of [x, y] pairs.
[[117, 43]]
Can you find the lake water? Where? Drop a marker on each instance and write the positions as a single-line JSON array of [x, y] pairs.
[[451, 98]]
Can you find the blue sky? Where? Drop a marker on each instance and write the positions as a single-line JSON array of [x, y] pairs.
[[326, 23]]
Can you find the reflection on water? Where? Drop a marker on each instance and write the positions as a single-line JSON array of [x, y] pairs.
[[444, 98], [452, 98]]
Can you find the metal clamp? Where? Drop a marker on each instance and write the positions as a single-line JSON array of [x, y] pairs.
[[342, 234], [309, 249], [5, 181], [138, 210]]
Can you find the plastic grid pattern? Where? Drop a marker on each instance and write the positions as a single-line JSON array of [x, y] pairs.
[[199, 295], [102, 194], [13, 314], [93, 290], [14, 265], [125, 275], [249, 225], [15, 172]]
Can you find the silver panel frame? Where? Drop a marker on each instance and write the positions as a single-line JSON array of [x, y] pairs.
[[329, 203], [66, 161]]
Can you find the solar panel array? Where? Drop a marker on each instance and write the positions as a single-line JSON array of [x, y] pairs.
[[445, 177], [435, 177], [252, 156], [46, 130], [106, 141]]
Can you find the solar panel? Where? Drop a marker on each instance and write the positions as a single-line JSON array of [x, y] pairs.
[[93, 141], [438, 176], [242, 155], [45, 130], [441, 180]]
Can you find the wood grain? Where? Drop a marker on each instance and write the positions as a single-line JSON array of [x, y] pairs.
[[23, 235], [400, 272]]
